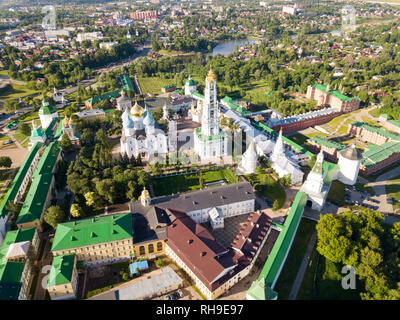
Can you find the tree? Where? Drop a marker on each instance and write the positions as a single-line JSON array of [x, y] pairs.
[[312, 160], [5, 162], [76, 211], [12, 208], [25, 129], [53, 216], [275, 205], [93, 199], [66, 143]]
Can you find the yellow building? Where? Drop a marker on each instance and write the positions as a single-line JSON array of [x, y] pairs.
[[63, 278], [96, 240]]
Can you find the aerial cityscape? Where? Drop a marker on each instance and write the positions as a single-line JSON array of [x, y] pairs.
[[199, 150]]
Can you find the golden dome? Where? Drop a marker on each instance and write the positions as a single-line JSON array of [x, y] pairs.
[[145, 193], [211, 76], [137, 111], [70, 122], [65, 122]]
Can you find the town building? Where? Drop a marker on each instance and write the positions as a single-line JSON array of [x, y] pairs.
[[91, 115], [17, 255], [232, 199], [324, 95], [41, 190], [63, 278], [330, 148], [371, 134], [97, 240]]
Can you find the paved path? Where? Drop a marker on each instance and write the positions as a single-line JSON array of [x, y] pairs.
[[303, 267], [11, 135]]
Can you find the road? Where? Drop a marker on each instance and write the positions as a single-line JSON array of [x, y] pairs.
[[303, 267]]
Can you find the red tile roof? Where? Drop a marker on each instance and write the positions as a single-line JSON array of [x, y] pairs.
[[197, 248]]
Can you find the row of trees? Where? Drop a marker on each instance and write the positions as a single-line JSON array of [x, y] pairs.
[[362, 240]]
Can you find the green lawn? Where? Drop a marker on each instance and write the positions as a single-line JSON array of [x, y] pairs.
[[16, 92], [323, 281], [268, 187], [364, 187], [293, 261], [374, 112], [153, 84], [393, 191], [190, 182], [337, 193]]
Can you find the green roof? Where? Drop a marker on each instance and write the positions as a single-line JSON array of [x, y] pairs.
[[376, 154], [327, 143], [49, 130], [386, 116], [34, 202], [335, 93], [234, 107], [37, 133], [17, 181], [286, 140], [274, 264], [205, 138], [104, 96], [12, 271], [10, 290], [12, 124], [168, 86], [61, 270], [259, 291], [199, 95], [378, 130], [48, 159], [92, 231], [59, 130], [126, 82], [47, 110]]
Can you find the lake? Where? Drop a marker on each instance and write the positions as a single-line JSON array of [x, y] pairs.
[[228, 47]]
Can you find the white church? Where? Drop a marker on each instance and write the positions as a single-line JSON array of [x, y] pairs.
[[282, 164], [210, 142], [140, 134], [319, 179]]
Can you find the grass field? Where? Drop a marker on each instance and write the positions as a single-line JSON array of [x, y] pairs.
[[293, 261], [301, 138], [363, 187], [374, 113], [393, 191], [153, 84], [270, 188], [337, 193], [322, 281], [16, 92], [190, 182]]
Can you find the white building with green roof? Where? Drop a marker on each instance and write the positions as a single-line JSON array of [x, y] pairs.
[[190, 86], [37, 136], [47, 113]]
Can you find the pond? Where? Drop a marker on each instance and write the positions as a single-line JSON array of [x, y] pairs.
[[228, 47]]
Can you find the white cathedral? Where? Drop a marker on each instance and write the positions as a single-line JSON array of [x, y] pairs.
[[282, 165], [140, 134], [210, 142]]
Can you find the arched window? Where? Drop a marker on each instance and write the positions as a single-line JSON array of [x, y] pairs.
[[159, 246], [142, 251], [151, 248]]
